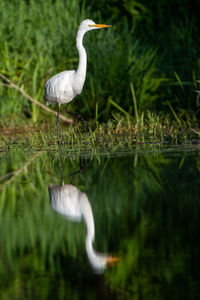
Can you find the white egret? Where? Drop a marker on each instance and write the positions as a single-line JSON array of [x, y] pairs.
[[69, 201], [64, 86]]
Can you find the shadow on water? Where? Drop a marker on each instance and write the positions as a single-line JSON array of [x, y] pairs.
[[146, 209]]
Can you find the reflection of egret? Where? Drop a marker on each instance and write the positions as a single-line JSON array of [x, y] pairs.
[[72, 203]]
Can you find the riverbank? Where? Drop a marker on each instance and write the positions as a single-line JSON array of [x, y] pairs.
[[120, 132]]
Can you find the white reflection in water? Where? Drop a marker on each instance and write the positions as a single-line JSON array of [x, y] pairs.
[[69, 201]]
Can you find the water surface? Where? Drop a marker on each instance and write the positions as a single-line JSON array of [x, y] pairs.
[[145, 208]]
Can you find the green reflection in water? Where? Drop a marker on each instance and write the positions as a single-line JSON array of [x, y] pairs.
[[146, 210]]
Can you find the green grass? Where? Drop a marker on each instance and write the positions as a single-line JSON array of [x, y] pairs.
[[38, 40], [121, 133]]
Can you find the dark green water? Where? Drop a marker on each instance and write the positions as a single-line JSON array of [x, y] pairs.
[[146, 211]]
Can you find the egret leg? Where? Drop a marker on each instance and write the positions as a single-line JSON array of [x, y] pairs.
[[80, 118], [60, 165], [83, 165], [58, 136]]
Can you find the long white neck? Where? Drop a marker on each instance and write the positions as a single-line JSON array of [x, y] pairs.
[[88, 218], [97, 260], [82, 66]]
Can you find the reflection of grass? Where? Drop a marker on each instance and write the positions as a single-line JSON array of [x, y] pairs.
[[158, 253], [134, 217], [12, 175]]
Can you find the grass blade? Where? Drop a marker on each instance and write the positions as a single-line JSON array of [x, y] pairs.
[[134, 102], [118, 107]]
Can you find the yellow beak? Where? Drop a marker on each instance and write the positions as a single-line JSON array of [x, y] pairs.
[[99, 25]]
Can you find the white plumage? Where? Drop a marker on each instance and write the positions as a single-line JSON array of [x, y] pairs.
[[64, 86], [59, 88], [69, 201]]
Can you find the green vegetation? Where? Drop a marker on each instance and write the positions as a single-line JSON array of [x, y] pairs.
[[141, 94], [147, 60], [120, 134]]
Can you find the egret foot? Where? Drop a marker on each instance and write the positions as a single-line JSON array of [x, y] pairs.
[[83, 166]]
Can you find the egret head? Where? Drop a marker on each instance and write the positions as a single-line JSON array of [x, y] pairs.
[[100, 261], [87, 25]]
